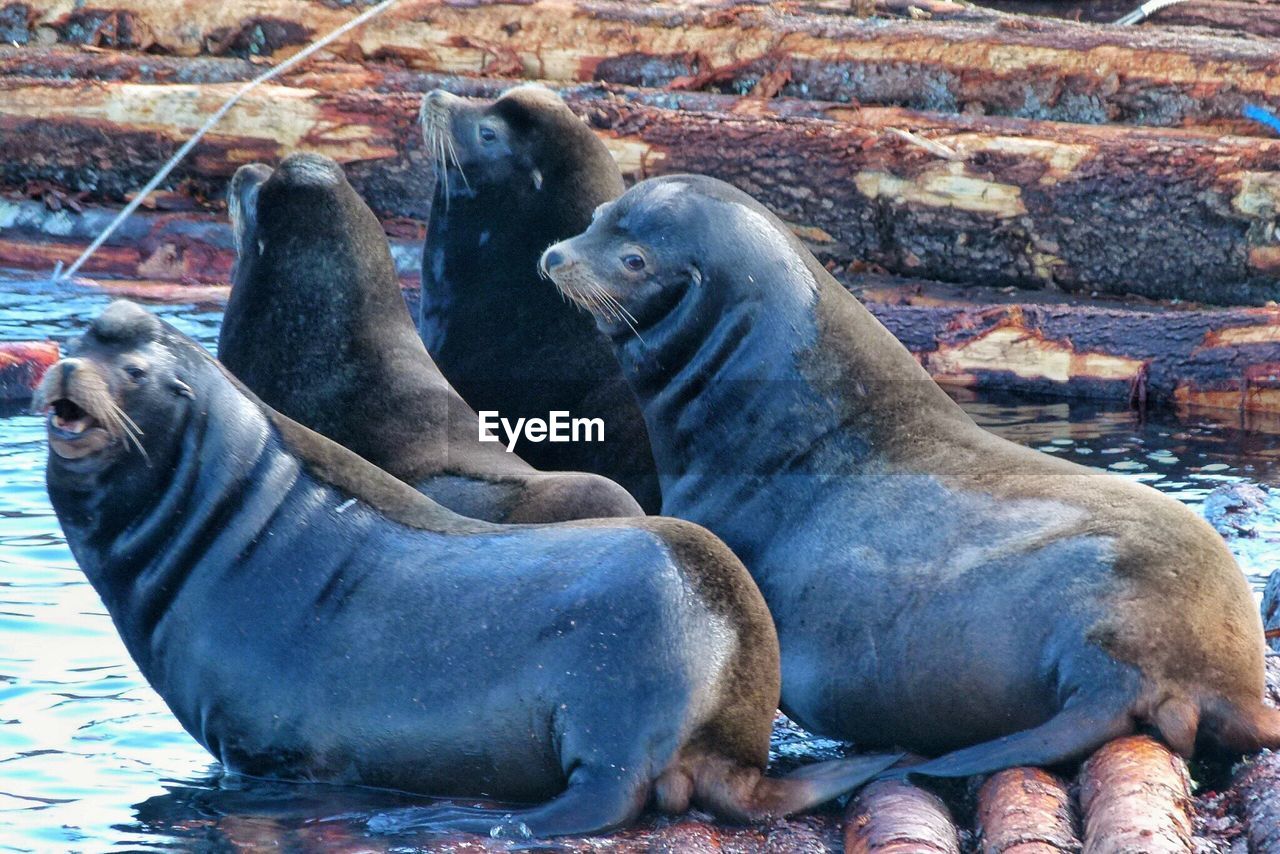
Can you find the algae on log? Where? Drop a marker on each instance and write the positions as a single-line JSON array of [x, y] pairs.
[[1029, 67]]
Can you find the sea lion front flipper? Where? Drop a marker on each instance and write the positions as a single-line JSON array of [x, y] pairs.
[[589, 805], [1073, 733]]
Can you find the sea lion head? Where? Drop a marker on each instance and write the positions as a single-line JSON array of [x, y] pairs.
[[677, 250], [115, 401], [527, 143], [301, 225]]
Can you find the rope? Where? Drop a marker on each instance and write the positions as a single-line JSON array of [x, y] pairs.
[[269, 74], [1146, 10]]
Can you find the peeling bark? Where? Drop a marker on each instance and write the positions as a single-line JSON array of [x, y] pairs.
[[1026, 811], [1136, 796], [1259, 788], [1158, 213], [1029, 67], [895, 817]]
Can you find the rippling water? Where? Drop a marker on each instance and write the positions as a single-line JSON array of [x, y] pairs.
[[90, 758]]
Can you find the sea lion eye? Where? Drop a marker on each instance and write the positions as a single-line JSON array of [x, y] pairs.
[[487, 134], [633, 262], [137, 373]]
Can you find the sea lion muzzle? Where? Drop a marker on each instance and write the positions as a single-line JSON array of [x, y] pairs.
[[83, 417]]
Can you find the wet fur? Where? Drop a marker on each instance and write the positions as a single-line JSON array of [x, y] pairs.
[[316, 324], [236, 493], [1004, 607], [503, 336]]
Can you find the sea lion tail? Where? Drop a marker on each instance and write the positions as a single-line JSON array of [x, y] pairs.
[[738, 793], [1072, 734], [1242, 727]]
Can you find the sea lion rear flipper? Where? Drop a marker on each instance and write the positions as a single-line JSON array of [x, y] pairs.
[[1071, 734], [735, 793], [587, 806]]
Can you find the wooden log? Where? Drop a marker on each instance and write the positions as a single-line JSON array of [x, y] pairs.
[[1271, 611], [1034, 68], [979, 201], [1026, 811], [1255, 17], [1136, 796], [895, 817], [1225, 360], [1258, 789], [22, 366]]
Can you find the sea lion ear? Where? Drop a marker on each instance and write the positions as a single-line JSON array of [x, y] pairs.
[[537, 179], [181, 389], [695, 275]]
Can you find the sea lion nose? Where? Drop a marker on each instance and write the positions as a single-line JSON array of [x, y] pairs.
[[551, 259]]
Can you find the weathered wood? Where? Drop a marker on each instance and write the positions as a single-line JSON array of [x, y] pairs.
[[1026, 811], [1034, 68], [1271, 611], [1136, 796], [22, 365], [1159, 213], [895, 817], [1258, 785], [1255, 17], [1145, 354], [1226, 359]]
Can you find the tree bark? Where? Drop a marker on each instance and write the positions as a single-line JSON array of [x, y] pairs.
[[1254, 17], [894, 817], [1026, 811], [1136, 796], [977, 201], [1027, 67], [1258, 786]]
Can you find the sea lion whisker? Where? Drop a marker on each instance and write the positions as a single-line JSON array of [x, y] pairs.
[[625, 316]]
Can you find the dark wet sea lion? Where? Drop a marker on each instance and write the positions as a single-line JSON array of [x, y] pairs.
[[317, 327], [934, 586], [515, 175], [307, 616]]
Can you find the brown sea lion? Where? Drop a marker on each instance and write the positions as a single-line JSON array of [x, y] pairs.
[[317, 327], [308, 617], [934, 586]]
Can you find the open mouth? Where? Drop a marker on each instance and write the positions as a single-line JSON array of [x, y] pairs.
[[73, 432]]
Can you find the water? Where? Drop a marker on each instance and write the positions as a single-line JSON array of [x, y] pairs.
[[91, 760]]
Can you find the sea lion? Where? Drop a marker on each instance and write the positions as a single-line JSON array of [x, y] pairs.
[[306, 616], [317, 327], [514, 175], [934, 586]]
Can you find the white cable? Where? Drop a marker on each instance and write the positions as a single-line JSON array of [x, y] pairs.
[[1146, 10], [182, 152]]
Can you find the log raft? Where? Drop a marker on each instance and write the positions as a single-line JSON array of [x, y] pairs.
[[1159, 213], [1002, 65]]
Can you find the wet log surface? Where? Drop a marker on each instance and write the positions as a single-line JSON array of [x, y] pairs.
[[896, 817], [1135, 795], [1036, 68], [1026, 811], [976, 201], [1152, 355]]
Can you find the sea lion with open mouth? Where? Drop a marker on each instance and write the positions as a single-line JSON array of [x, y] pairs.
[[934, 586], [513, 176], [306, 616], [317, 327]]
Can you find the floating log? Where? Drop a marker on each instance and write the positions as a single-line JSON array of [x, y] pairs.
[[1258, 786], [1026, 811], [1146, 354], [1035, 68], [895, 817], [1136, 796], [22, 365], [1159, 213], [1255, 17]]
